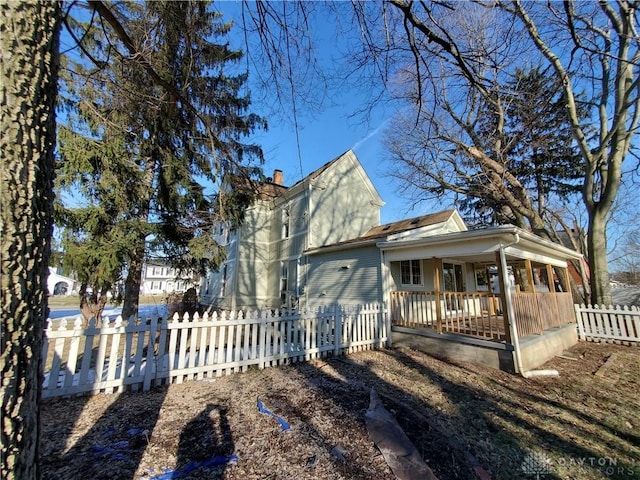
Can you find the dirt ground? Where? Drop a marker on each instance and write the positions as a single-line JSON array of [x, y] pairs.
[[579, 425]]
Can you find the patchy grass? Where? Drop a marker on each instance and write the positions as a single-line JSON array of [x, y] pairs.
[[74, 300], [459, 416]]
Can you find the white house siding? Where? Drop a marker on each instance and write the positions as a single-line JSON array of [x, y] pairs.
[[216, 287], [341, 204], [329, 281], [426, 266], [253, 257], [337, 202]]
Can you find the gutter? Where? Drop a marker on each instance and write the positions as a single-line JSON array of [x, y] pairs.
[[498, 233]]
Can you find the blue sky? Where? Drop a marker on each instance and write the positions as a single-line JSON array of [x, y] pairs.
[[329, 131], [325, 137]]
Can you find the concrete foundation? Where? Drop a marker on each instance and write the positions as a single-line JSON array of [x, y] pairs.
[[454, 347], [535, 350]]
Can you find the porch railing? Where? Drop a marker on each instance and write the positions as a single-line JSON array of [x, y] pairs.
[[480, 314], [536, 312], [471, 313]]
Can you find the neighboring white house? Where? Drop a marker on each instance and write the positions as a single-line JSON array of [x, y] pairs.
[[161, 279], [59, 284]]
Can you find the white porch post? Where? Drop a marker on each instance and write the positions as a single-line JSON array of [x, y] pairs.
[[385, 274], [437, 273], [508, 310]]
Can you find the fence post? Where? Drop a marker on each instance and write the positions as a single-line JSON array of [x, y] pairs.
[[386, 322], [635, 321], [337, 330], [72, 354], [151, 367], [581, 334], [262, 338]]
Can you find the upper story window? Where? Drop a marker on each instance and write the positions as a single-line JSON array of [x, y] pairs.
[[223, 290], [285, 223], [410, 272]]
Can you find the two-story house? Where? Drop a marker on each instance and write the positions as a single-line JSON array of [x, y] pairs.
[[320, 241], [160, 279], [503, 290], [266, 262]]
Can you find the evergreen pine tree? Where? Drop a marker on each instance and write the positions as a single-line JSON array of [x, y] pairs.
[[147, 155], [538, 149]]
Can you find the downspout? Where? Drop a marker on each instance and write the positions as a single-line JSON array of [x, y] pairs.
[[513, 329], [309, 216], [386, 295], [236, 271]]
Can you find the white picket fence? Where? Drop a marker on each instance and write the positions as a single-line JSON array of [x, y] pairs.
[[600, 323], [114, 357]]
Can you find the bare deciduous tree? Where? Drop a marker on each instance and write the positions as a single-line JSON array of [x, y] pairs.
[[460, 60]]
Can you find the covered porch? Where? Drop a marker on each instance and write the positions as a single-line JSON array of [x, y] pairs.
[[502, 288]]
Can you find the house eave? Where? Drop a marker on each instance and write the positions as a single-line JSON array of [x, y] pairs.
[[503, 236], [342, 246]]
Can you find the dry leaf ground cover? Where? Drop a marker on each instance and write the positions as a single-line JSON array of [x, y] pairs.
[[467, 422]]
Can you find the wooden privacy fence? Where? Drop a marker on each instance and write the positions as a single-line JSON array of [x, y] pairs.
[[613, 324], [92, 359]]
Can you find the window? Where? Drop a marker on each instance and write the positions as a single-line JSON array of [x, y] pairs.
[[482, 279], [284, 273], [453, 278], [410, 272], [224, 280], [285, 223]]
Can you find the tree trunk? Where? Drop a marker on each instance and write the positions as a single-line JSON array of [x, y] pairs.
[[597, 254], [28, 66], [133, 281], [92, 306]]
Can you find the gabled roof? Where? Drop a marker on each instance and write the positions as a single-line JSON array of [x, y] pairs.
[[316, 173], [271, 191], [385, 231], [410, 224]]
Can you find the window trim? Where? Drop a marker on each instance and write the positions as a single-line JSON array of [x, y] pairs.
[[463, 273], [412, 266], [286, 223]]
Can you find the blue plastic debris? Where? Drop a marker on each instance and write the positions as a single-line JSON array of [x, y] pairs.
[[283, 423], [114, 451], [186, 469]]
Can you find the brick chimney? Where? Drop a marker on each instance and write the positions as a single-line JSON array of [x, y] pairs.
[[277, 177]]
